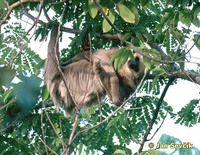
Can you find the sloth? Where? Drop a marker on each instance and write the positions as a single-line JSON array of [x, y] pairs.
[[88, 77]]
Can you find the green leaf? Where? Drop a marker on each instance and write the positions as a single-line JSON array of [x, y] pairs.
[[126, 14], [120, 57], [116, 63], [119, 152], [196, 22], [123, 59], [139, 36], [7, 94], [196, 39], [196, 11], [166, 18], [118, 53], [154, 83], [133, 8], [135, 11], [106, 26], [177, 34], [80, 148], [128, 35], [93, 9], [184, 19], [45, 94]]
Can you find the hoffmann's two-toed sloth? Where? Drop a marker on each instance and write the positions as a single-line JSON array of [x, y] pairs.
[[88, 77]]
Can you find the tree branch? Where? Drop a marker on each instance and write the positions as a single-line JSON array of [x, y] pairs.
[[158, 127], [155, 116], [162, 53], [52, 125], [71, 137], [11, 7], [185, 75]]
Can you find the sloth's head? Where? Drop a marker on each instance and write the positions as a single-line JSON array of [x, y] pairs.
[[136, 65], [132, 70]]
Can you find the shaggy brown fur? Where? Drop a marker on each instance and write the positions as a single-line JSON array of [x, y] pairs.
[[89, 77]]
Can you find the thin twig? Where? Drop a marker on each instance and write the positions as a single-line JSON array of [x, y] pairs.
[[52, 125], [47, 145], [70, 141], [34, 146], [43, 135], [45, 13], [10, 102], [158, 127], [61, 131]]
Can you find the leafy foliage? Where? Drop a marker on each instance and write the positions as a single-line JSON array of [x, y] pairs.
[[188, 115], [29, 124]]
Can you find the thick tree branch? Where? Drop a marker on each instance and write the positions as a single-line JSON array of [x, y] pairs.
[[185, 75], [162, 53]]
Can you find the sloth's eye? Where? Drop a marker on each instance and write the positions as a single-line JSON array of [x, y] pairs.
[[134, 64]]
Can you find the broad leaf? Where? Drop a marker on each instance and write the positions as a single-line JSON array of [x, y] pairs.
[[126, 13], [93, 10], [106, 26], [120, 57]]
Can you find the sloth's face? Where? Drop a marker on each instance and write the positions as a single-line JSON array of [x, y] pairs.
[[132, 69], [134, 64]]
